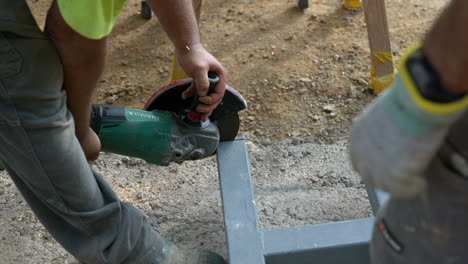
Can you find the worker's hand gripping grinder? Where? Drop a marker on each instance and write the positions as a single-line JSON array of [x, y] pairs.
[[168, 128]]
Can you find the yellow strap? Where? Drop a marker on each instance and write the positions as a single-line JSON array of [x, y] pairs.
[[380, 83], [352, 3], [177, 73]]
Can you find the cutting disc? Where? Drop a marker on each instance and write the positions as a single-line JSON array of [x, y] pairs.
[[225, 116]]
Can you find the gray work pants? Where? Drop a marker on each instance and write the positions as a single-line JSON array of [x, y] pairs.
[[44, 159], [432, 228]]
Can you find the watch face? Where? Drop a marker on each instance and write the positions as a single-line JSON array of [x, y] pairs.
[[419, 73]]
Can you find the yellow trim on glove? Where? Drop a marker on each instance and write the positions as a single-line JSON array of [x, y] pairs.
[[435, 108]]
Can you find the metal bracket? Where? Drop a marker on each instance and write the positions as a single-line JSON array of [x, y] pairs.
[[331, 243]]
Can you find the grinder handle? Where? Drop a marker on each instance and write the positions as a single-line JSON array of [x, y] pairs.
[[214, 79]]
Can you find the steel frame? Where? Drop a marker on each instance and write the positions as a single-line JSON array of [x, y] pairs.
[[330, 243]]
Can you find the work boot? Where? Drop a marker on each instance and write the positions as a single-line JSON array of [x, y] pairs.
[[172, 254]]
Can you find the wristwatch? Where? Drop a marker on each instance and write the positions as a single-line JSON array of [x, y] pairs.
[[427, 80]]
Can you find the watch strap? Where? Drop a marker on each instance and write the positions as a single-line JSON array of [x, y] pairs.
[[412, 83], [427, 80]]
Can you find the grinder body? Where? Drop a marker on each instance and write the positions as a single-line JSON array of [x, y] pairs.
[[158, 137]]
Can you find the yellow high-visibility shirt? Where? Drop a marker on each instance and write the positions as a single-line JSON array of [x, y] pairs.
[[93, 19]]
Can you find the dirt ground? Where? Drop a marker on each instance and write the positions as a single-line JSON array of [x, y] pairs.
[[304, 75]]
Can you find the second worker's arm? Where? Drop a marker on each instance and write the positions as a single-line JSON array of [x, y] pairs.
[[396, 137], [178, 19]]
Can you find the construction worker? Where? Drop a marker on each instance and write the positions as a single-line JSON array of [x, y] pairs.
[[47, 81], [412, 143]]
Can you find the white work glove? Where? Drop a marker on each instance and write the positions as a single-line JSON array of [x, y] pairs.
[[396, 137]]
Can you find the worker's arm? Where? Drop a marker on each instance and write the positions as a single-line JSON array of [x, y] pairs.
[[446, 46], [394, 140], [83, 61], [178, 19]]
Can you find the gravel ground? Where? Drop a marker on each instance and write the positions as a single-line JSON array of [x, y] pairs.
[[296, 183]]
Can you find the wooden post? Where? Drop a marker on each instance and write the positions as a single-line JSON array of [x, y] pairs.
[[177, 72], [382, 71]]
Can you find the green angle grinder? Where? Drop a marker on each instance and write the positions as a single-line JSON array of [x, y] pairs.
[[168, 129]]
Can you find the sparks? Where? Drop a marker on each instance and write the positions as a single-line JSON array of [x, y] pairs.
[[187, 47]]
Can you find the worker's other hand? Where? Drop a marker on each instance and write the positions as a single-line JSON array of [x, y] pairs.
[[397, 136], [90, 144], [197, 62]]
